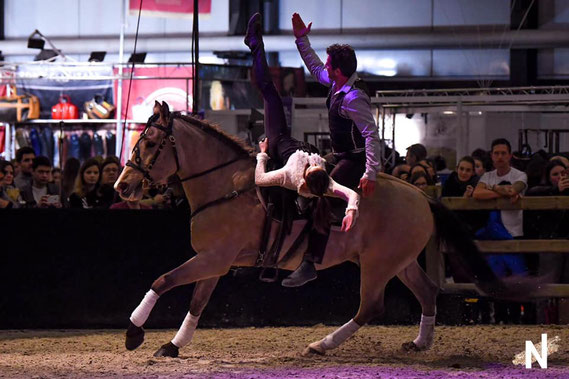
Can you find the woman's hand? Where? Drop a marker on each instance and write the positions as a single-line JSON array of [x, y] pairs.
[[563, 183], [264, 145], [299, 28], [349, 220], [469, 191]]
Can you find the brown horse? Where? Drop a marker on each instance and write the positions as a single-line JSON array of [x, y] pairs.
[[217, 172]]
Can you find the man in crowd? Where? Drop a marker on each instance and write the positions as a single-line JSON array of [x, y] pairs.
[[415, 154], [24, 157], [41, 193], [504, 182]]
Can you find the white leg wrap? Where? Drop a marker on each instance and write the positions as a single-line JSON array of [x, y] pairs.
[[186, 332], [426, 332], [335, 339], [140, 314]]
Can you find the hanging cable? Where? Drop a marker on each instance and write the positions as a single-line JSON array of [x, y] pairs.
[[130, 80]]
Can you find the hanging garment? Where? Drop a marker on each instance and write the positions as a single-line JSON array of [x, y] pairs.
[[47, 134], [56, 147], [35, 141], [22, 138], [85, 144], [111, 141], [74, 147], [2, 138], [98, 144]]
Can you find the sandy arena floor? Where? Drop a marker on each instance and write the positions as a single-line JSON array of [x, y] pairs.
[[374, 352]]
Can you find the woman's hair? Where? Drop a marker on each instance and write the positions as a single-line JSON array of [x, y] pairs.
[[80, 185], [550, 166], [110, 160], [317, 182], [484, 157], [3, 165], [70, 171], [420, 174], [467, 158]]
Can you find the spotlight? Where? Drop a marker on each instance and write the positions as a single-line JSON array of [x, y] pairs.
[[36, 40], [97, 56], [137, 58], [409, 115]]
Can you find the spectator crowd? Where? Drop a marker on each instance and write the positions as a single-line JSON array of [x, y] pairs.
[[30, 181]]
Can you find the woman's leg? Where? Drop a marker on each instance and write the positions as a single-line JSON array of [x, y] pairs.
[[275, 121]]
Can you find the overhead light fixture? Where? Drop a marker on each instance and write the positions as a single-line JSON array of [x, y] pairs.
[[448, 112], [137, 58], [37, 40], [97, 56]]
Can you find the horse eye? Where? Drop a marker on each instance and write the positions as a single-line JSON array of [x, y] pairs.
[[150, 144]]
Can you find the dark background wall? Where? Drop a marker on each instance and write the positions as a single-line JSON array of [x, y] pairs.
[[90, 269]]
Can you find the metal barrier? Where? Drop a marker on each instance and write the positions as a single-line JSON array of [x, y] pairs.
[[435, 261]]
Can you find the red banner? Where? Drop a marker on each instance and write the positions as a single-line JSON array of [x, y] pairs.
[[169, 8]]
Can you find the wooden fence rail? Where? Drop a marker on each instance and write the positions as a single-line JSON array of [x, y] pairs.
[[435, 261]]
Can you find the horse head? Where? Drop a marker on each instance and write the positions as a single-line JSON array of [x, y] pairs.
[[150, 160]]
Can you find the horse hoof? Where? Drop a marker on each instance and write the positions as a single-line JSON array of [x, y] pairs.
[[134, 337], [410, 346], [313, 349], [167, 350]]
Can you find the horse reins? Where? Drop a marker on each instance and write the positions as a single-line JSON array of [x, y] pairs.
[[168, 136]]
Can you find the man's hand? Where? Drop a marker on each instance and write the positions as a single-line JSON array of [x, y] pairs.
[[43, 201], [264, 145], [298, 27], [367, 186], [349, 221]]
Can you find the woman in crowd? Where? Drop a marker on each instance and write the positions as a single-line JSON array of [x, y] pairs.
[[420, 180], [482, 162], [9, 195], [9, 187], [68, 178], [86, 185], [461, 183]]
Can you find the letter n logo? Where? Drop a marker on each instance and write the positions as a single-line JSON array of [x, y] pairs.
[[531, 350]]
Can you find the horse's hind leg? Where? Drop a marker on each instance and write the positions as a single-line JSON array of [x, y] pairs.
[[372, 290], [426, 291], [200, 298]]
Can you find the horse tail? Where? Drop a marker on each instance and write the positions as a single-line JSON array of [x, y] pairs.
[[453, 232]]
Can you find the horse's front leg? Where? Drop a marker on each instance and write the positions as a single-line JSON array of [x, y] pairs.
[[200, 298], [201, 267]]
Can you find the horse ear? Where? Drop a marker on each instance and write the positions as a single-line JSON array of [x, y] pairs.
[[165, 108], [164, 113], [156, 108]]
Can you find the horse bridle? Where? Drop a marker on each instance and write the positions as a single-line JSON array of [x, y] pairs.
[[168, 136]]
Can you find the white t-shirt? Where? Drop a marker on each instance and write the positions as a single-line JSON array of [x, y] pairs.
[[513, 220]]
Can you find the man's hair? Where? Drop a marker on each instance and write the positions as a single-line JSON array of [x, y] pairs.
[[40, 161], [23, 150], [317, 182], [343, 57], [501, 141], [418, 151]]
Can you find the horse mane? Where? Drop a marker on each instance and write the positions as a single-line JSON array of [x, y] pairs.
[[236, 143]]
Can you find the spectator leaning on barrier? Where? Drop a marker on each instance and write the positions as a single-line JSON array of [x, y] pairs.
[[461, 183], [24, 157], [41, 193], [503, 182]]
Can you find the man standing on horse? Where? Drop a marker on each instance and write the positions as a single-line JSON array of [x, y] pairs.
[[353, 132]]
